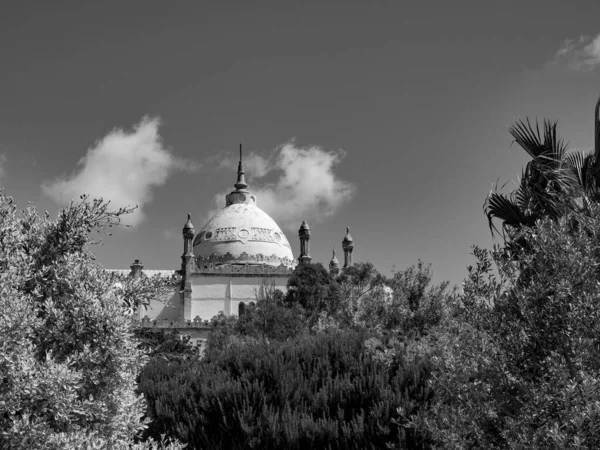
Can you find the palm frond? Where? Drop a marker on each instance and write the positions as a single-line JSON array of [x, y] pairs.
[[546, 147], [580, 166], [502, 207]]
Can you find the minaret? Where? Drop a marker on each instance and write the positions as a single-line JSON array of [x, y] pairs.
[[334, 265], [187, 267], [136, 269], [304, 234], [241, 193], [348, 246], [188, 236]]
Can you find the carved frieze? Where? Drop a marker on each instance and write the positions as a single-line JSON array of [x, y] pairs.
[[243, 234], [244, 263]]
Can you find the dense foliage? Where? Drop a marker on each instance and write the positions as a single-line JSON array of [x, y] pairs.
[[355, 361], [68, 363], [291, 372], [518, 365], [330, 390]]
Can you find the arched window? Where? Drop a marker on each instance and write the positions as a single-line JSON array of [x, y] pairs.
[[241, 308]]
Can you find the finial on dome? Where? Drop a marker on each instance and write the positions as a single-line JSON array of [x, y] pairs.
[[334, 264], [241, 181], [348, 238], [188, 225]]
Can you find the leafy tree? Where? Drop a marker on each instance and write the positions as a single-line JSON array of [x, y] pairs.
[[417, 305], [362, 294], [517, 364], [552, 184], [314, 289], [270, 318], [68, 362]]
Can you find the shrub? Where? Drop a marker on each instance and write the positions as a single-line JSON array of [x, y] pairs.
[[68, 362], [324, 391], [517, 367]]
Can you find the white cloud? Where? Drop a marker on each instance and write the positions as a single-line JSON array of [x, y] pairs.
[[306, 186], [123, 167], [582, 54]]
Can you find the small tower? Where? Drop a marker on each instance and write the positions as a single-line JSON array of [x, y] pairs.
[[348, 246], [188, 236], [187, 267], [334, 265], [187, 259], [136, 269], [304, 234]]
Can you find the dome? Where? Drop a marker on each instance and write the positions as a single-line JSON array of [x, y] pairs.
[[242, 233]]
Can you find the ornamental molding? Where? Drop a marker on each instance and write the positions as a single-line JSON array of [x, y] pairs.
[[246, 269], [244, 263], [242, 234], [197, 323], [205, 262]]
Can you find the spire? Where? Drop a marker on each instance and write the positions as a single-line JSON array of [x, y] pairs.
[[188, 225], [334, 264], [348, 246], [347, 239], [241, 182], [188, 236], [241, 194]]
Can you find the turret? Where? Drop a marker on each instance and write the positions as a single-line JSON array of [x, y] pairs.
[[348, 246], [187, 267], [334, 265], [136, 269], [304, 235], [188, 236]]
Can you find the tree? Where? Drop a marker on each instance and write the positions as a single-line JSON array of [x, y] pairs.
[[68, 363], [417, 305], [269, 319], [544, 182], [314, 289], [517, 365], [553, 183]]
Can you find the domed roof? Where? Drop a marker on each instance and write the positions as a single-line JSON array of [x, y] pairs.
[[242, 234]]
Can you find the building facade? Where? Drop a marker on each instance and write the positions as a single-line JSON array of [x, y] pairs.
[[225, 263]]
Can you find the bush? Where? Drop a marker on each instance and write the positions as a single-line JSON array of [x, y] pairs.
[[68, 363], [324, 391], [518, 364]]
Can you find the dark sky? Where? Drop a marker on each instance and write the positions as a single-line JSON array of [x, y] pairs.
[[390, 117]]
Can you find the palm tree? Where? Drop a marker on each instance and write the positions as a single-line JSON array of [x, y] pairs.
[[553, 182]]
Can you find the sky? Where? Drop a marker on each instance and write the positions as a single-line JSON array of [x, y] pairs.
[[389, 117]]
